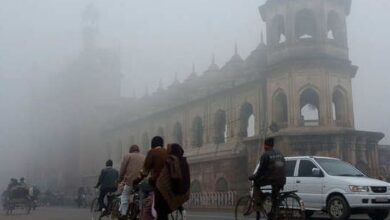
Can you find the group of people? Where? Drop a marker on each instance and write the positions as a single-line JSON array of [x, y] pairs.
[[20, 188], [164, 174], [168, 183]]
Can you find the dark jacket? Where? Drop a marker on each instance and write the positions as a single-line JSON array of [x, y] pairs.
[[154, 163], [272, 170], [108, 178]]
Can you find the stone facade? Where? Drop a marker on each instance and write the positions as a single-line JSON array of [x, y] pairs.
[[295, 87]]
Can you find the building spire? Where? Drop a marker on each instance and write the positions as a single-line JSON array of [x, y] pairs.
[[160, 84], [213, 66], [146, 91], [193, 68], [90, 22], [235, 49], [262, 37]]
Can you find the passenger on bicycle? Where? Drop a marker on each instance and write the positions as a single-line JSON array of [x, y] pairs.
[[173, 185], [272, 171], [154, 163], [108, 182], [131, 165]]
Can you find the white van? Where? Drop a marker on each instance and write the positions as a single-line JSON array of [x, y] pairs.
[[331, 185]]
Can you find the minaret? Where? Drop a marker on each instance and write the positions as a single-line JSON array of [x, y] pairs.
[[90, 22]]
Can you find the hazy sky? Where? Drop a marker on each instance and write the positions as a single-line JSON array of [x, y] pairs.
[[159, 38]]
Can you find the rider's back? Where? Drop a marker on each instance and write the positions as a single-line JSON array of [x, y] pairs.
[[131, 166], [109, 178], [276, 172]]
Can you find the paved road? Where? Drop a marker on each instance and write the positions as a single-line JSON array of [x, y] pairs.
[[83, 214]]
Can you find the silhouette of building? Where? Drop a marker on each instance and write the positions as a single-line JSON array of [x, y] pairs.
[[296, 86]]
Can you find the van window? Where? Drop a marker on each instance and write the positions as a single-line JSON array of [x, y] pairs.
[[290, 167], [305, 168]]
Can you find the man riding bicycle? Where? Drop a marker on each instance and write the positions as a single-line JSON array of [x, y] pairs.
[[131, 165], [272, 171], [108, 181]]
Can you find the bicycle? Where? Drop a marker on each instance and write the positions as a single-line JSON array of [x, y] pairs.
[[290, 206], [112, 211]]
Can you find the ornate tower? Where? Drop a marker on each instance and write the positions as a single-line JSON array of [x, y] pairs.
[[309, 81], [90, 19]]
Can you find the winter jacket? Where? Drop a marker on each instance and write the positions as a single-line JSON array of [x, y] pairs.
[[108, 178], [131, 166], [272, 170], [154, 162]]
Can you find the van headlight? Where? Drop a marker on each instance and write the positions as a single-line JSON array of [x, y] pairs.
[[359, 188]]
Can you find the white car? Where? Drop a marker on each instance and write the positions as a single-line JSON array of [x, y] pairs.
[[336, 187]]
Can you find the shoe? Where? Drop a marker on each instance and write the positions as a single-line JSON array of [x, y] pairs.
[[104, 213]]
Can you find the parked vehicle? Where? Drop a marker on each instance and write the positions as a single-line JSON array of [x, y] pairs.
[[336, 187]]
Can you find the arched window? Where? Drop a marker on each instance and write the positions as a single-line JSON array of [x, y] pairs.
[[279, 34], [339, 107], [247, 118], [222, 185], [196, 187], [220, 127], [160, 132], [197, 132], [310, 105], [145, 141], [178, 133], [305, 25], [279, 110], [336, 28]]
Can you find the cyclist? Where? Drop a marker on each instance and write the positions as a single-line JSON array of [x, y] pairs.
[[107, 182], [131, 165], [153, 165], [272, 171]]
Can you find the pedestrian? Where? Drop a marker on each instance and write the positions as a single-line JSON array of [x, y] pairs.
[[108, 182], [173, 184], [131, 166]]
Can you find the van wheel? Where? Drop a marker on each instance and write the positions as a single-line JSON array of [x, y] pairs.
[[379, 214], [338, 208]]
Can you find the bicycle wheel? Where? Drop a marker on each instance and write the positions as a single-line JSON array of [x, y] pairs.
[[114, 207], [291, 208], [134, 211], [245, 209], [95, 215], [176, 215]]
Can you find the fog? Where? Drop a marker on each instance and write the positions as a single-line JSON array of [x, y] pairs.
[[156, 40]]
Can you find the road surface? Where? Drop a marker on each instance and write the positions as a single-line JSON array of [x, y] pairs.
[[45, 213]]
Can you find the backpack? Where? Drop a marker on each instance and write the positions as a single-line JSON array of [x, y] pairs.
[[180, 176]]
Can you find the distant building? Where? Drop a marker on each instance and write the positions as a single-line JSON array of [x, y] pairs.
[[296, 87]]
